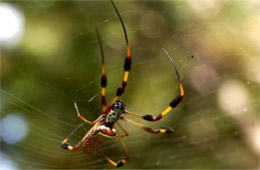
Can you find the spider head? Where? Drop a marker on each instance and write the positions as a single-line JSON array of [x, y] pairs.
[[116, 110]]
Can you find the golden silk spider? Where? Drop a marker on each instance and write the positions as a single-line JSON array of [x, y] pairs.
[[104, 126]]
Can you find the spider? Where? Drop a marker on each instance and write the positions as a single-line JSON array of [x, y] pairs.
[[104, 126]]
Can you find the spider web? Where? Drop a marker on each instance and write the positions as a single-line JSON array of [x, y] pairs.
[[58, 62]]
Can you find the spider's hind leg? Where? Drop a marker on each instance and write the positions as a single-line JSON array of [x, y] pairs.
[[123, 129], [122, 161], [66, 145], [116, 164]]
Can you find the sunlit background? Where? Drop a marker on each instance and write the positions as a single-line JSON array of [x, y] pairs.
[[50, 58]]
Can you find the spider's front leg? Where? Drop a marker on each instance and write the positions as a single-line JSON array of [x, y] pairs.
[[103, 74], [127, 65], [147, 129], [172, 104]]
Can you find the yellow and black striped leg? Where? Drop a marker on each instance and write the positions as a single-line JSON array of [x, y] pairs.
[[82, 118], [66, 145], [127, 65], [123, 129], [103, 74], [120, 162], [148, 129], [172, 104]]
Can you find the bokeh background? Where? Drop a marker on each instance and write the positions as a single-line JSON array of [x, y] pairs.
[[50, 58]]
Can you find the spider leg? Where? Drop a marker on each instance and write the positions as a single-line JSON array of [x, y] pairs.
[[172, 104], [66, 145], [127, 65], [120, 162], [147, 129], [123, 129], [84, 119], [103, 74]]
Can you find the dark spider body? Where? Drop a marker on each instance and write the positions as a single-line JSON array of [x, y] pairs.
[[104, 127]]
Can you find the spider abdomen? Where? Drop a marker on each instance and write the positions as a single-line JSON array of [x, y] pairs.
[[93, 143], [96, 137]]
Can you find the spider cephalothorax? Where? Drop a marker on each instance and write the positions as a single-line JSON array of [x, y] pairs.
[[116, 110]]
